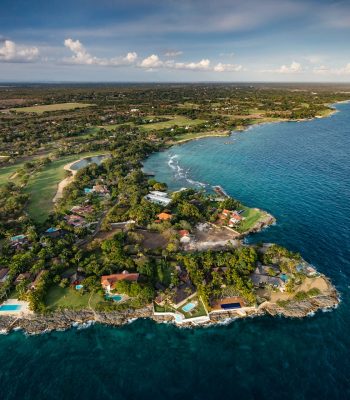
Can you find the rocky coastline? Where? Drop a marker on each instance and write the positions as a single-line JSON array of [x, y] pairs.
[[66, 319]]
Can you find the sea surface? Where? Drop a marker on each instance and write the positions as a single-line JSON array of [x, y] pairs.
[[299, 172]]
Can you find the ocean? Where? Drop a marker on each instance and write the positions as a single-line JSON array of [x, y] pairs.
[[300, 173]]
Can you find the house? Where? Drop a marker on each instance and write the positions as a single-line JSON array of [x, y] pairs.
[[270, 270], [54, 232], [265, 280], [22, 277], [158, 197], [231, 217], [75, 220], [4, 272], [164, 216], [100, 189], [108, 281], [181, 293], [34, 284], [184, 236], [82, 210], [18, 240]]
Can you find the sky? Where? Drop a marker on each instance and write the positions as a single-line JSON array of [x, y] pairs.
[[174, 40]]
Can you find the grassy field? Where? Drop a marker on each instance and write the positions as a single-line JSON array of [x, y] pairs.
[[43, 186], [6, 172], [199, 135], [252, 216], [51, 107], [173, 120], [58, 297], [199, 311]]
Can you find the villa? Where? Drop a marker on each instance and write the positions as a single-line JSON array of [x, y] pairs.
[[75, 220], [100, 189], [108, 281], [54, 233], [18, 241], [158, 197], [261, 281], [231, 217], [184, 236], [82, 210]]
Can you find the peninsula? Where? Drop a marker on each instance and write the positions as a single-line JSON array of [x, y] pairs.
[[109, 243]]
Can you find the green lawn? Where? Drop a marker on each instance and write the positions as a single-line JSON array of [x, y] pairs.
[[178, 120], [51, 107], [58, 297], [199, 311], [252, 216], [198, 135], [6, 172], [42, 186]]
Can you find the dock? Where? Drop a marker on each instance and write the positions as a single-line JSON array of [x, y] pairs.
[[220, 191]]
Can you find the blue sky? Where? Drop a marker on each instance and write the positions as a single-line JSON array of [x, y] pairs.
[[175, 40]]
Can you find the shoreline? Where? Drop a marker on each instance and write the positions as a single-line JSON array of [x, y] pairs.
[[66, 319], [66, 181]]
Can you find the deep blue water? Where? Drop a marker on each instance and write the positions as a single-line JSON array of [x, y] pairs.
[[300, 172]]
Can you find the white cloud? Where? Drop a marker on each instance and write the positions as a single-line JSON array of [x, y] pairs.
[[203, 65], [152, 61], [293, 68], [10, 52], [82, 56], [324, 70], [227, 68]]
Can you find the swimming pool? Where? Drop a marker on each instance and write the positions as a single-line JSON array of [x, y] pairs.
[[10, 307], [188, 307], [79, 287], [114, 297]]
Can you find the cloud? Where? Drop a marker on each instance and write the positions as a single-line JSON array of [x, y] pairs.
[[82, 56], [10, 52], [154, 62], [324, 70], [293, 68]]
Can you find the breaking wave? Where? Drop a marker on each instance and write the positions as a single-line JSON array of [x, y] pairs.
[[181, 173]]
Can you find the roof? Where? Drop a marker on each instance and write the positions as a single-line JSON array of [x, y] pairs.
[[164, 216], [110, 280], [266, 280], [4, 272], [184, 232]]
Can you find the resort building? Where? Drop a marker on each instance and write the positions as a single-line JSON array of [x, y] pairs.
[[54, 233], [158, 197], [22, 277], [100, 189], [18, 241], [108, 281]]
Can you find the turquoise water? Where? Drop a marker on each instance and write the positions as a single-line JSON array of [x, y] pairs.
[[10, 307], [115, 297], [87, 161], [188, 307], [300, 172]]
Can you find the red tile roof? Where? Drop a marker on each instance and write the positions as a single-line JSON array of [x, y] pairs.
[[110, 280]]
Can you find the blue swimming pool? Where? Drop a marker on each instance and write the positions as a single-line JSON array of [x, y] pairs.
[[188, 307], [79, 287], [10, 307], [114, 297]]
